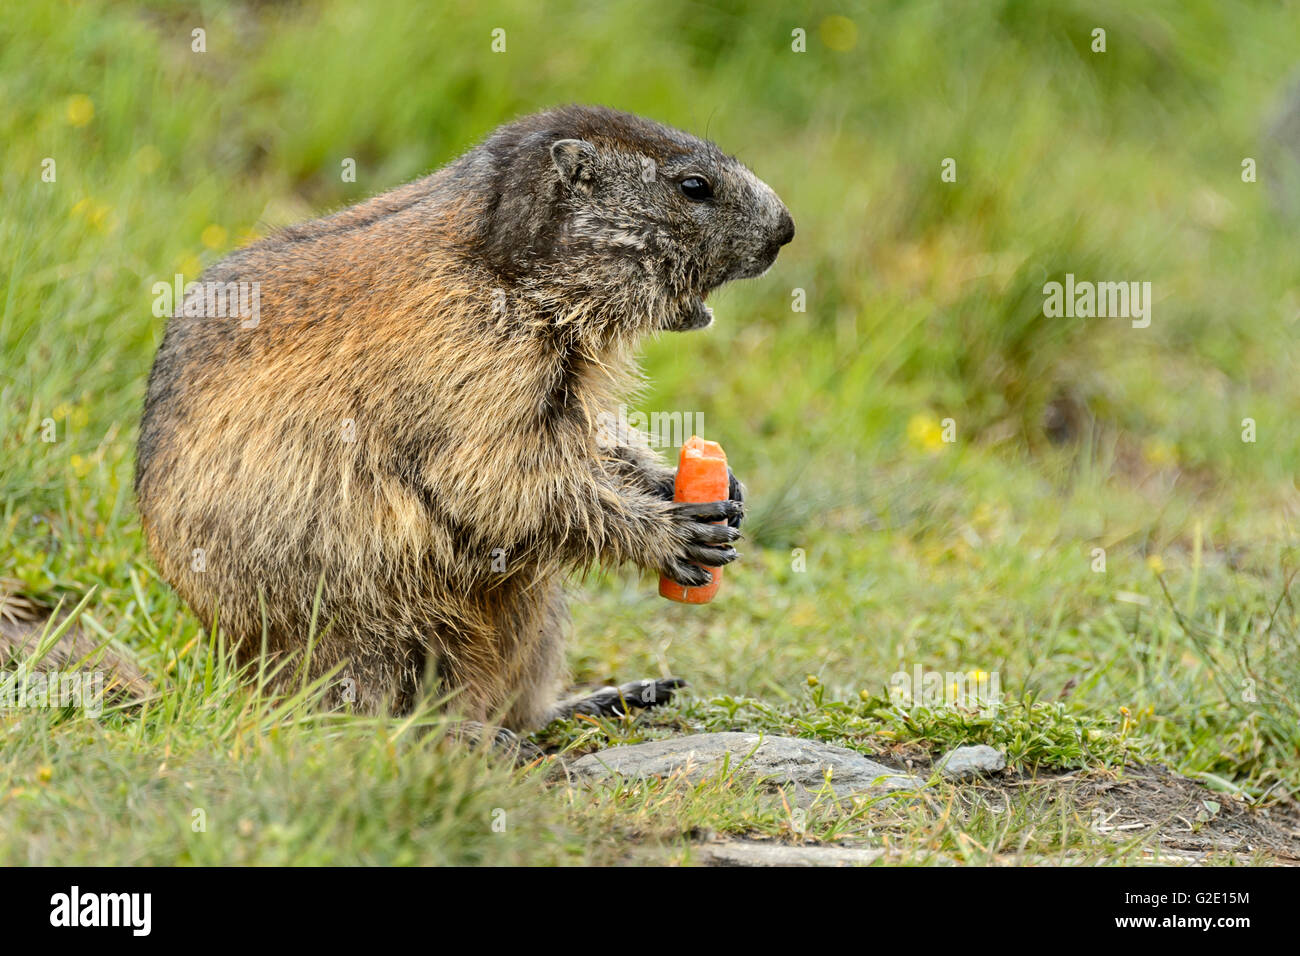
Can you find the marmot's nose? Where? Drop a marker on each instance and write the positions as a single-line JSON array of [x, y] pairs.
[[784, 229]]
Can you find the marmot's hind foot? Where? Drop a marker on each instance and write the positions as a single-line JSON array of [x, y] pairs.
[[619, 701]]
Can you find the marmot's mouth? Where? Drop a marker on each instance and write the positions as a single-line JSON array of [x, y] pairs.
[[689, 315]]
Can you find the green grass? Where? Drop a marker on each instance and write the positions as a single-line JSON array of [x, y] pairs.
[[923, 303]]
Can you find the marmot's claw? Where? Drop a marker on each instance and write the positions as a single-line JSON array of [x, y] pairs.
[[687, 574], [709, 511], [618, 701], [711, 557]]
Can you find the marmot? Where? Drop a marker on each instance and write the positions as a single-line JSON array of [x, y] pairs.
[[414, 418]]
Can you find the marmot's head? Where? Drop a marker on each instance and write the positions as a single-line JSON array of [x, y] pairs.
[[626, 211]]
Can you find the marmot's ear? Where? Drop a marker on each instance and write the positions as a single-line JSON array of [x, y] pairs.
[[574, 159]]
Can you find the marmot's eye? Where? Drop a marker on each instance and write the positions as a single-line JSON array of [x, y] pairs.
[[697, 188]]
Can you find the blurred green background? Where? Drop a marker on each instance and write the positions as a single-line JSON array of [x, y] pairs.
[[924, 303]]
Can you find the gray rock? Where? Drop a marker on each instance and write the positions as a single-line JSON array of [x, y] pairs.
[[964, 762], [775, 760], [747, 853]]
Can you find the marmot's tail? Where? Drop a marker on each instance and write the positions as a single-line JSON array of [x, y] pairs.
[[22, 624]]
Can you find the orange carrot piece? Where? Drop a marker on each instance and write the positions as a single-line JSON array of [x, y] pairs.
[[701, 477]]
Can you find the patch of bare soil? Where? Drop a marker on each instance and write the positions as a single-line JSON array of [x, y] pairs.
[[1184, 816]]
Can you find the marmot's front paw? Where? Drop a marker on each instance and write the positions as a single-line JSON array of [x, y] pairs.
[[702, 542], [665, 487]]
